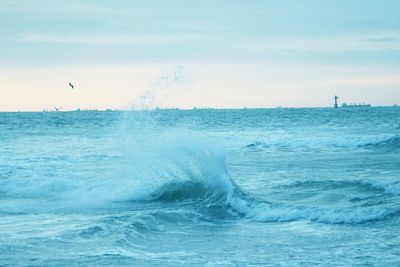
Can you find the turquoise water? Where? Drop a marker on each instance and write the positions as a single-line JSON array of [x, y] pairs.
[[251, 187]]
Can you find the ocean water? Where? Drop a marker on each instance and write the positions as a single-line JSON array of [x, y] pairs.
[[251, 187]]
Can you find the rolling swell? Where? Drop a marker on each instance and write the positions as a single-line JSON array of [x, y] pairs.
[[392, 188], [388, 144], [353, 215], [383, 143]]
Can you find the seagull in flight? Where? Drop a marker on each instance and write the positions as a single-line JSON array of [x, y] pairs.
[[70, 84]]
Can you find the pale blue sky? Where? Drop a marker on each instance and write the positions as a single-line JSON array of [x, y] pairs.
[[337, 41]]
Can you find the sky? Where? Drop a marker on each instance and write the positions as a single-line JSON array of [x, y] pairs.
[[190, 53]]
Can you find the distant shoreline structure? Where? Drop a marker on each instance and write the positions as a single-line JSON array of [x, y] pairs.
[[350, 105], [194, 108], [355, 105]]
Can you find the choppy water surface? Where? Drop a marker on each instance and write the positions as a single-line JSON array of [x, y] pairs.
[[200, 187]]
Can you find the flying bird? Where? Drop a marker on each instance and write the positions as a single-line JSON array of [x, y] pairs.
[[70, 84], [57, 109]]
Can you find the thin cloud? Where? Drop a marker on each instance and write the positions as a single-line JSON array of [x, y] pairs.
[[336, 43], [103, 39]]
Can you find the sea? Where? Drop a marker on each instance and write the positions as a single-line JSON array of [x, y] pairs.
[[201, 187]]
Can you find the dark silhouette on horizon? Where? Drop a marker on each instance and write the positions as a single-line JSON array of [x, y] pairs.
[[57, 109]]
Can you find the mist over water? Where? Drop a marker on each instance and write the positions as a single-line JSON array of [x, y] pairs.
[[200, 187]]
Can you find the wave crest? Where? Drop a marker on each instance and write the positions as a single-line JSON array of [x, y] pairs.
[[384, 143], [391, 143]]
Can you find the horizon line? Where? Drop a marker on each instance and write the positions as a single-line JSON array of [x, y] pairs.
[[190, 109]]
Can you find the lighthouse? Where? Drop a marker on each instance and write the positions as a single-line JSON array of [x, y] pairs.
[[336, 105]]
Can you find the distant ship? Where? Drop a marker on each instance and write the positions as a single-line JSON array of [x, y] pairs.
[[350, 105], [355, 105]]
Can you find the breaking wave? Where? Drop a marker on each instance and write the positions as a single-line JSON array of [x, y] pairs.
[[183, 168], [189, 171], [230, 198], [195, 172]]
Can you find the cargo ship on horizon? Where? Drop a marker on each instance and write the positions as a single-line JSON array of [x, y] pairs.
[[350, 105], [355, 105]]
